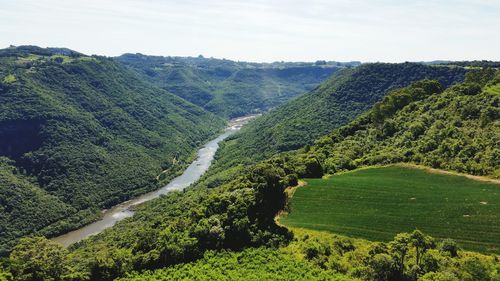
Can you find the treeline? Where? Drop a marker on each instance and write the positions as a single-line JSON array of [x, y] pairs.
[[321, 256], [476, 63]]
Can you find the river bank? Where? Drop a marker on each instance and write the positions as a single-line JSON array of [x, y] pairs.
[[125, 209]]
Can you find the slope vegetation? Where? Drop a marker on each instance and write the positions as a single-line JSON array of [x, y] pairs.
[[323, 256], [88, 132], [333, 104], [24, 205], [454, 129], [229, 88]]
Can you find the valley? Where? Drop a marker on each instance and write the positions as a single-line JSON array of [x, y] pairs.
[[229, 88], [336, 102], [139, 135], [86, 133], [96, 135], [249, 140], [189, 176]]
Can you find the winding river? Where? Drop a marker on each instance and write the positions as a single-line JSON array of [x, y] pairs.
[[125, 209]]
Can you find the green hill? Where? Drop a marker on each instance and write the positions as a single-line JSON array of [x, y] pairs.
[[229, 88], [454, 129], [334, 103], [24, 205], [83, 133]]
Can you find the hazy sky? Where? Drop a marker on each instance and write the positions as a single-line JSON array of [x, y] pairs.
[[366, 30]]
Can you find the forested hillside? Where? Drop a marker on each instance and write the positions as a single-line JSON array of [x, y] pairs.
[[200, 223], [80, 133], [229, 88], [333, 104], [25, 206], [454, 129], [322, 256], [176, 228]]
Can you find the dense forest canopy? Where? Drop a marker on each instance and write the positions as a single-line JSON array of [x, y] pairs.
[[80, 133], [453, 129]]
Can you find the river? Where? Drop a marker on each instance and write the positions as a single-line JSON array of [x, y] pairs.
[[125, 209]]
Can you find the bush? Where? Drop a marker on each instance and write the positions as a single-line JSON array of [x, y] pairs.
[[383, 267], [449, 246]]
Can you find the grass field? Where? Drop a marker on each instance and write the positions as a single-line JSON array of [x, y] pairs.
[[495, 89], [376, 203]]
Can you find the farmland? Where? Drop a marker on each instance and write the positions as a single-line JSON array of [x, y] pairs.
[[376, 203]]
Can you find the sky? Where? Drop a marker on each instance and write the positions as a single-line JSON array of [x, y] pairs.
[[261, 31]]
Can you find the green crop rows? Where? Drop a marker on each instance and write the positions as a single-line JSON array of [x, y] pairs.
[[377, 203]]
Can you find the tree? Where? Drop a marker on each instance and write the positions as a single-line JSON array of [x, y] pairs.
[[480, 76], [399, 248], [450, 246], [109, 263], [421, 242], [439, 276], [431, 260], [383, 267], [38, 259], [476, 268]]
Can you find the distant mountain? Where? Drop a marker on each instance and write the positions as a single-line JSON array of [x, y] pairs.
[[80, 133], [228, 88], [473, 64], [35, 50], [334, 103]]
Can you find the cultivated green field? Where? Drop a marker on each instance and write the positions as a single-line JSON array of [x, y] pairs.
[[376, 203]]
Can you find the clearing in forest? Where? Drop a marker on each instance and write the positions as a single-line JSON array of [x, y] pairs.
[[378, 202]]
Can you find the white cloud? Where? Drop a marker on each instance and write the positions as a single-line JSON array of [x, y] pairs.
[[377, 30]]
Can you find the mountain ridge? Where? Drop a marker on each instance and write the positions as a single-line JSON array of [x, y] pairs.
[[89, 132], [229, 88]]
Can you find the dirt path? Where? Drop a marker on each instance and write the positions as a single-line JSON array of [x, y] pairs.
[[444, 172], [289, 192]]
